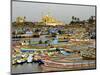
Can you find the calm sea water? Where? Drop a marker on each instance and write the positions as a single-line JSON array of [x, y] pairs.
[[26, 68]]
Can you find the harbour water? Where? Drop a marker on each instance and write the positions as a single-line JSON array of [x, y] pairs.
[[26, 68]]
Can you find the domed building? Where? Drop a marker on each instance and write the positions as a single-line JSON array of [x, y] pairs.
[[49, 20], [20, 19]]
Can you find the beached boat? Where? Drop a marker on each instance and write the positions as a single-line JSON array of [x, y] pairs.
[[18, 60], [14, 61], [55, 66], [21, 61]]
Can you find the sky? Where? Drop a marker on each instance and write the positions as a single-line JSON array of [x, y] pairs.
[[35, 11]]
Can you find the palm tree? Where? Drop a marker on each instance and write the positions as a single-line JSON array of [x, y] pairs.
[[90, 20], [73, 18], [40, 42], [78, 19]]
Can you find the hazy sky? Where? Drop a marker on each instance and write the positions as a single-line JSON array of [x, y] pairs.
[[34, 11]]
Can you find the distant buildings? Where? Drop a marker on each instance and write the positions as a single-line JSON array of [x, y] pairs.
[[49, 20], [46, 20], [20, 19]]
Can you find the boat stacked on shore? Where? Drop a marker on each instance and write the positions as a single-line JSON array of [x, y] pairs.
[[27, 59]]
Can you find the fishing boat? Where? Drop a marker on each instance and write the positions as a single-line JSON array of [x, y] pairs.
[[14, 61], [55, 66], [21, 61], [30, 58]]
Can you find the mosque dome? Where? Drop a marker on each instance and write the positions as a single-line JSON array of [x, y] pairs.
[[49, 20]]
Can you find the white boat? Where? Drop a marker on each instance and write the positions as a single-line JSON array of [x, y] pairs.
[[30, 58]]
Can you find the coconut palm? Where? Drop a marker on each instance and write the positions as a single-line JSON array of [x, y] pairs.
[[73, 18]]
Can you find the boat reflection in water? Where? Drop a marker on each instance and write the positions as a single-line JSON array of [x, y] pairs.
[[26, 68]]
